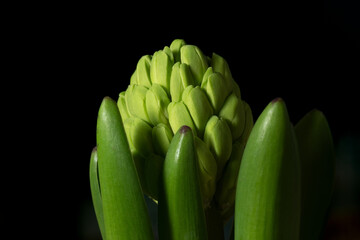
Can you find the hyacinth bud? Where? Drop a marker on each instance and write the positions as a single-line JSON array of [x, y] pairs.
[[236, 90], [218, 137], [199, 107], [208, 170], [133, 78], [225, 194], [143, 71], [139, 136], [179, 116], [175, 48], [179, 85], [207, 73], [192, 56], [160, 69], [220, 65], [135, 101], [181, 77], [122, 106], [233, 113], [215, 89], [161, 137], [249, 122], [149, 172], [156, 104]]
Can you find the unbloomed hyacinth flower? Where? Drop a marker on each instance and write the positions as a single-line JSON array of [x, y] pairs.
[[179, 86]]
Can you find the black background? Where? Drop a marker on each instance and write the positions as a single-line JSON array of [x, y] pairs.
[[74, 55]]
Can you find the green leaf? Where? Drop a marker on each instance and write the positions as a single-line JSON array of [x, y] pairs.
[[317, 159], [125, 212], [95, 191], [181, 214], [267, 205]]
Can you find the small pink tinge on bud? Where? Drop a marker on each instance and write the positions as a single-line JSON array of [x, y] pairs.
[[278, 99], [184, 129]]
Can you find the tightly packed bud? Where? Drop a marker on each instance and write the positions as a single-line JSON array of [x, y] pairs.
[[199, 107], [156, 104], [180, 78], [178, 86]]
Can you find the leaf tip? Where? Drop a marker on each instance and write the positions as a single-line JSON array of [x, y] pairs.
[[184, 129], [94, 150], [278, 99]]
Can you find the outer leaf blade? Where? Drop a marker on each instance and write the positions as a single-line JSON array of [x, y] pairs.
[[268, 190], [317, 159], [95, 192], [181, 215], [125, 212]]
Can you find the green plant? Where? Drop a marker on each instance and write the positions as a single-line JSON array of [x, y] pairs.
[[178, 134], [179, 86], [268, 188]]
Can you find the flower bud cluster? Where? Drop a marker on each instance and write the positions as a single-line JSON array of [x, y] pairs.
[[179, 86]]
